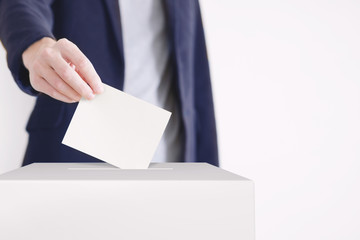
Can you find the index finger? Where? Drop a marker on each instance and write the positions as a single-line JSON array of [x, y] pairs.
[[84, 67]]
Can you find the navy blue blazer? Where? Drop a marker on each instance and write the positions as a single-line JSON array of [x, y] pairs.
[[95, 27]]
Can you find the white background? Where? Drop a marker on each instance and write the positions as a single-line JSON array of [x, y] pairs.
[[286, 80]]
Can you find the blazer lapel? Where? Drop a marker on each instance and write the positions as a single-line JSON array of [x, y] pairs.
[[115, 20], [114, 14]]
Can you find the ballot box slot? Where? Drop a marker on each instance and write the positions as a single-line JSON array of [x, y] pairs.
[[119, 169]]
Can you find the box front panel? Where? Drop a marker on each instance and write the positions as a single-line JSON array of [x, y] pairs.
[[127, 210]]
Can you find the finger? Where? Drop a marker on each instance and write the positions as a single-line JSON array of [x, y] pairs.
[[63, 69], [45, 87], [59, 84], [73, 54]]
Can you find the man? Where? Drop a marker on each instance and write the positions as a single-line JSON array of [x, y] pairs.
[[62, 50]]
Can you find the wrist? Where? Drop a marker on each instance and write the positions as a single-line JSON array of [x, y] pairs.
[[30, 53]]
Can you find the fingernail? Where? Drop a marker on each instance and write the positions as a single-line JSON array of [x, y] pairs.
[[101, 88], [90, 96]]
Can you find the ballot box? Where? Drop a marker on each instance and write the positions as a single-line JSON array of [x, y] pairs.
[[88, 201]]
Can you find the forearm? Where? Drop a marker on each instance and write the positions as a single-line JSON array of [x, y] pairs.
[[21, 24]]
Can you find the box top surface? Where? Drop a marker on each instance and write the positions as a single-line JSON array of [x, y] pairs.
[[105, 171]]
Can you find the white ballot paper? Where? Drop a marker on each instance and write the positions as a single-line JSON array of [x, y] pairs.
[[117, 128]]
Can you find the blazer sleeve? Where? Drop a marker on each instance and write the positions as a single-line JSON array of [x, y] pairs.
[[23, 22]]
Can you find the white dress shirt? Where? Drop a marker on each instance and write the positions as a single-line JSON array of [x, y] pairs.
[[148, 72]]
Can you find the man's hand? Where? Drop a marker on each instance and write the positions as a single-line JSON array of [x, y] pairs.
[[60, 70]]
